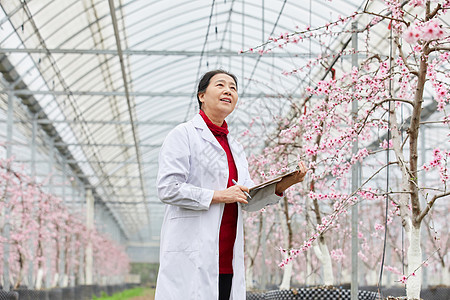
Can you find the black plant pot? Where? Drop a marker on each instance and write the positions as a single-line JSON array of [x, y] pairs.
[[23, 292], [86, 292], [4, 295], [102, 290], [55, 294], [96, 291], [68, 293], [255, 296], [78, 290], [120, 288], [318, 294], [40, 294], [109, 290]]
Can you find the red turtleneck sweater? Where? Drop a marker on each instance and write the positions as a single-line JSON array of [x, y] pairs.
[[228, 226]]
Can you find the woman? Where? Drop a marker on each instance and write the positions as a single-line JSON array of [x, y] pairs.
[[202, 252]]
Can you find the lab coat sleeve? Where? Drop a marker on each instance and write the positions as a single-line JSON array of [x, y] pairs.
[[173, 174]]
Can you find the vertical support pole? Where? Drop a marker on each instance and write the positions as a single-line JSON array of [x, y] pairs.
[[263, 37], [243, 42], [90, 226], [423, 204], [308, 278], [263, 242], [7, 226], [51, 166], [64, 179], [33, 146], [62, 234], [388, 282], [33, 175], [355, 177]]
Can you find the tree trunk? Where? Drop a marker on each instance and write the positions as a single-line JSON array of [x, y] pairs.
[[414, 283], [287, 275], [445, 276], [287, 244], [323, 254], [249, 277]]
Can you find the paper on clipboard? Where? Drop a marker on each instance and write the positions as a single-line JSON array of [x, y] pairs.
[[270, 181]]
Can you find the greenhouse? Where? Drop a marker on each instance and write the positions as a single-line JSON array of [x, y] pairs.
[[229, 149]]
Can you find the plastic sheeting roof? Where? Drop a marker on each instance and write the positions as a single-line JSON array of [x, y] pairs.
[[113, 77]]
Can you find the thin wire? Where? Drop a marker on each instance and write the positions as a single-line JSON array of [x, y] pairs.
[[201, 59], [259, 57], [380, 280]]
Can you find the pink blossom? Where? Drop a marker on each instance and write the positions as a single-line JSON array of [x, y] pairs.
[[416, 3], [432, 30], [411, 34], [403, 279]]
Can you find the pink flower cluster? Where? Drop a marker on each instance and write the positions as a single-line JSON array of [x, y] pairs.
[[416, 3], [403, 279], [441, 91], [385, 145], [427, 31], [337, 254], [42, 228], [439, 161]]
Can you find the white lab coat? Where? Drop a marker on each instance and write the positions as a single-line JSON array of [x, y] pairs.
[[192, 164]]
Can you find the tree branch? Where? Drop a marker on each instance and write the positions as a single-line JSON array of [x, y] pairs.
[[439, 49], [386, 17], [402, 56], [434, 12], [429, 205]]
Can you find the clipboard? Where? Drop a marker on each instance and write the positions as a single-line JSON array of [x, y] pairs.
[[273, 180]]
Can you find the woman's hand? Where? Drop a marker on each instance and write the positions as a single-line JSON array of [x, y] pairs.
[[232, 194], [288, 181]]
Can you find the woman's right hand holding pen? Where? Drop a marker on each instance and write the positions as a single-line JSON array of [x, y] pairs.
[[232, 194]]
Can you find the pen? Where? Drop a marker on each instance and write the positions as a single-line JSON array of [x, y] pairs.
[[246, 194]]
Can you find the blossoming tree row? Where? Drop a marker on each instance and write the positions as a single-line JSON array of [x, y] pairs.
[[401, 80], [47, 241]]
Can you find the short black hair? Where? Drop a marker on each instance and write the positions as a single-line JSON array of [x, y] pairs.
[[206, 78]]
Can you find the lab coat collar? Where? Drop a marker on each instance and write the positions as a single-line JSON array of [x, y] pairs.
[[206, 133]]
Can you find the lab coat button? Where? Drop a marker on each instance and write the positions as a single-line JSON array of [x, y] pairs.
[[225, 175]]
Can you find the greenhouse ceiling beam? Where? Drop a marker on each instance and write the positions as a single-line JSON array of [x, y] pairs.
[[22, 92], [112, 122], [155, 52], [24, 161], [137, 145], [109, 122], [117, 177], [108, 145], [62, 144], [10, 74]]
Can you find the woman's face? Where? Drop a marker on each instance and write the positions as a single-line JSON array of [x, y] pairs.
[[220, 97]]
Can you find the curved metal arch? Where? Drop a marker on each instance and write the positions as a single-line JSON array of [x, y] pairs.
[[176, 28], [248, 4], [106, 61], [16, 10], [45, 83], [56, 13], [136, 80], [226, 12], [27, 38]]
